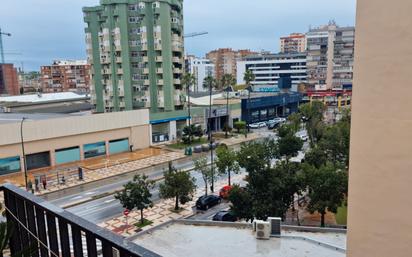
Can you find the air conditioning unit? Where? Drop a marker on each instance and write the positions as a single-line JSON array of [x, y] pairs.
[[263, 229], [275, 224]]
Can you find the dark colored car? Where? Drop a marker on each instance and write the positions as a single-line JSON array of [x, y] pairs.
[[224, 216], [207, 201]]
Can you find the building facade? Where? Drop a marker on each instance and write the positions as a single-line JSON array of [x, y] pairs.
[[263, 107], [294, 43], [9, 81], [225, 60], [70, 139], [200, 68], [330, 54], [66, 76], [136, 51], [274, 71]]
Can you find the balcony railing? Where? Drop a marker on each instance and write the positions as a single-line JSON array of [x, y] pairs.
[[55, 232]]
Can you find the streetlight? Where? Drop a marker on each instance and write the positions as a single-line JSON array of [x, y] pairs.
[[249, 89], [23, 152], [227, 90], [209, 123]]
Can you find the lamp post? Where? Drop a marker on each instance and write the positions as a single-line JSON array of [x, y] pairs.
[[249, 89], [210, 139], [23, 152], [228, 89]]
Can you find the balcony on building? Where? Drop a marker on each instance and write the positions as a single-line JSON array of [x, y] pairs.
[[57, 232], [145, 59], [159, 70], [159, 58]]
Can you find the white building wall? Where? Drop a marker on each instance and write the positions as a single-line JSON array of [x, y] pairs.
[[200, 68]]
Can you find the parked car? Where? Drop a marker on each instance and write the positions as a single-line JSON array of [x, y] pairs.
[[304, 137], [197, 149], [261, 124], [253, 126], [224, 192], [207, 201], [224, 216]]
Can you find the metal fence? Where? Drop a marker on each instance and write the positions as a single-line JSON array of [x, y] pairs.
[[53, 232]]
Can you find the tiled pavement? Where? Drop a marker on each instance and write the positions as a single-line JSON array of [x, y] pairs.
[[160, 213], [105, 172], [97, 174]]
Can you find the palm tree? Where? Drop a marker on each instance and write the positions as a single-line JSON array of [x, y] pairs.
[[227, 81], [188, 80], [248, 77], [210, 83]]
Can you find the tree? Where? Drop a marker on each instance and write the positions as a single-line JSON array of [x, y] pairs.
[[336, 141], [248, 77], [136, 194], [316, 157], [295, 121], [207, 173], [227, 82], [241, 203], [288, 144], [226, 161], [191, 131], [239, 125], [211, 84], [254, 156], [188, 80], [328, 188], [313, 115], [178, 185]]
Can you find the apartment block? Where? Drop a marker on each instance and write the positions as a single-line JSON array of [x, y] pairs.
[[136, 51], [200, 68], [274, 71], [330, 51], [66, 76], [225, 59], [294, 43], [9, 81]]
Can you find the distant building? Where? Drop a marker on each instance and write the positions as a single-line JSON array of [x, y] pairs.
[[66, 76], [225, 59], [274, 71], [30, 82], [330, 56], [136, 49], [294, 43], [9, 82], [200, 68]]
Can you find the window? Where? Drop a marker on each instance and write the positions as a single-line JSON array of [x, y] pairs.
[[156, 5], [142, 5], [132, 7], [9, 165], [132, 19], [135, 54]]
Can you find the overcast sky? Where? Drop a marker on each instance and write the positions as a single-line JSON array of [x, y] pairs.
[[44, 30]]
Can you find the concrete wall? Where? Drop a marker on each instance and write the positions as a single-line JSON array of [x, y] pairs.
[[380, 180]]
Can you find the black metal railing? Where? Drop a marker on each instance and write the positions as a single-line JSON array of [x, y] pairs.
[[53, 232]]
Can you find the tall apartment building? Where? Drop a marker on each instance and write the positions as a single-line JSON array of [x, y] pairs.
[[9, 81], [330, 51], [135, 48], [200, 68], [225, 59], [294, 43], [274, 71], [66, 76]]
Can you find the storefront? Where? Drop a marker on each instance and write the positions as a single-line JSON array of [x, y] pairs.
[[264, 106], [218, 119]]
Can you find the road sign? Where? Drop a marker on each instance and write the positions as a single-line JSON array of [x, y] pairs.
[[126, 212]]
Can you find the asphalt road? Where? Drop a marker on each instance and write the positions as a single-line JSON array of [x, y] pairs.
[[102, 209]]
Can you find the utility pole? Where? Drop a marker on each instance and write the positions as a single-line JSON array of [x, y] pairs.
[[24, 154], [1, 45]]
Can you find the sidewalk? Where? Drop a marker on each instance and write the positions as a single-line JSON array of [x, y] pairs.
[[160, 213]]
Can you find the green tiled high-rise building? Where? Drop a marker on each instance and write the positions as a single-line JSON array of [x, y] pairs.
[[136, 51]]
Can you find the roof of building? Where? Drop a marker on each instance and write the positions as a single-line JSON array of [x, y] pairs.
[[41, 98], [178, 239], [17, 117]]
